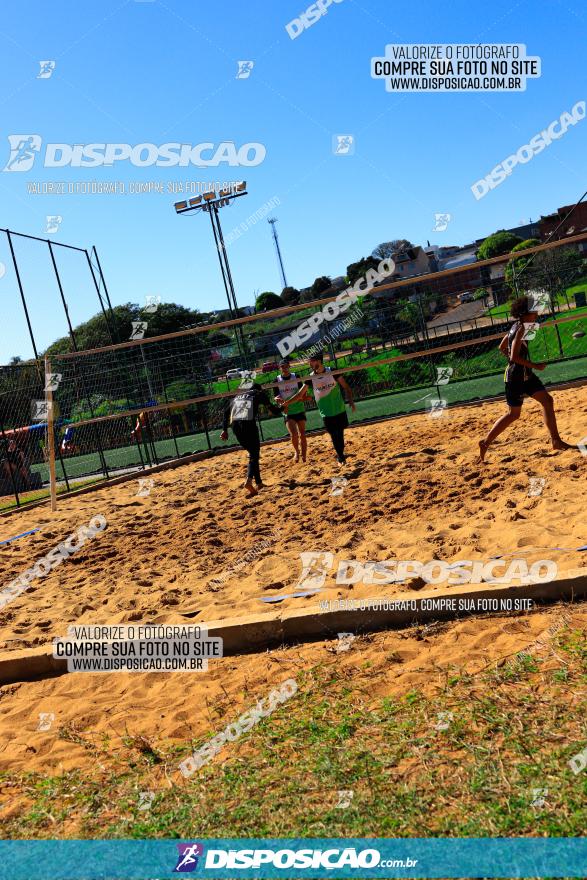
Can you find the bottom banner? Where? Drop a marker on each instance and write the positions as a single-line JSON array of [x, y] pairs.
[[310, 857]]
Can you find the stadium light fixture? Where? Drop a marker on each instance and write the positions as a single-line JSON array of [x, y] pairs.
[[210, 202]]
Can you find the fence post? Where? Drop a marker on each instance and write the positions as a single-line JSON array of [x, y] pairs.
[[50, 434], [204, 415]]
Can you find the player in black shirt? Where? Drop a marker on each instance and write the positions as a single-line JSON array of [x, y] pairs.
[[520, 380], [241, 413]]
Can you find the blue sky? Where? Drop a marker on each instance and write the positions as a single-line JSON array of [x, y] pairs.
[[165, 71]]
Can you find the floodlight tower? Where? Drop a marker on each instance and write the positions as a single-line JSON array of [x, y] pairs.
[[273, 221], [210, 202]]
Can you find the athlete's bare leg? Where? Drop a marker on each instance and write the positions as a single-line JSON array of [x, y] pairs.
[[501, 424], [292, 428], [547, 403], [303, 439]]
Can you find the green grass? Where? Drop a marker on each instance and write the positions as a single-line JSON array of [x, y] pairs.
[[560, 299], [8, 502], [514, 728]]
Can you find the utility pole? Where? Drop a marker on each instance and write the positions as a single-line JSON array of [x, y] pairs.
[[273, 221]]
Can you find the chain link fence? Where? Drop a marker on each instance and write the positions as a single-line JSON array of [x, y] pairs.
[[404, 347]]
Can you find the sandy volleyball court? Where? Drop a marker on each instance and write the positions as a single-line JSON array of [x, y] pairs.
[[415, 490]]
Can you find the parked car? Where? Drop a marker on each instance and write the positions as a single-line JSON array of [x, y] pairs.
[[233, 374], [270, 366], [466, 297]]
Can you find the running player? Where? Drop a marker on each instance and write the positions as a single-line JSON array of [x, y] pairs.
[[241, 413], [295, 418], [520, 381], [328, 393]]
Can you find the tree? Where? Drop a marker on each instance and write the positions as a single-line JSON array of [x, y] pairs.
[[515, 268], [290, 296], [267, 301], [499, 243], [409, 313], [95, 333], [357, 270], [390, 248], [320, 286]]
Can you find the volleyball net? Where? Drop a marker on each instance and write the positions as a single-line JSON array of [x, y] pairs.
[[407, 345]]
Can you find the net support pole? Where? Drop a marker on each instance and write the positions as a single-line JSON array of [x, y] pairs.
[[50, 434]]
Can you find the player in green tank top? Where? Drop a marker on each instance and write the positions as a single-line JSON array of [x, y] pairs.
[[327, 390], [295, 418]]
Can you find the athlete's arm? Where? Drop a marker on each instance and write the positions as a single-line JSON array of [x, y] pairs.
[[265, 400], [347, 389], [515, 355], [503, 345], [299, 395], [226, 416]]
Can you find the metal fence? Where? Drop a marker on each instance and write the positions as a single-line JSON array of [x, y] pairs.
[[125, 407]]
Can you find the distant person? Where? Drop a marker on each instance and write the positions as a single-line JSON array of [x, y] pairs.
[[137, 433], [521, 381], [68, 446], [328, 391], [13, 465], [240, 413], [295, 418]]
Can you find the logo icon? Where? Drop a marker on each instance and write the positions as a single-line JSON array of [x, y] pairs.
[[152, 303], [338, 485], [315, 567], [443, 375], [540, 301], [444, 719], [247, 379], [39, 410], [45, 720], [578, 762], [244, 69], [241, 409], [52, 381], [145, 486], [23, 151], [138, 329], [530, 331], [441, 222], [53, 222], [537, 484], [343, 144], [47, 68], [437, 408], [538, 797], [344, 798], [345, 641], [146, 799], [187, 861]]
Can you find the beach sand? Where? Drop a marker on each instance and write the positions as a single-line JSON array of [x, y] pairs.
[[415, 490]]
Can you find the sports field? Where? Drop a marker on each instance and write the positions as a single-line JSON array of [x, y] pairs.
[[384, 404], [363, 720]]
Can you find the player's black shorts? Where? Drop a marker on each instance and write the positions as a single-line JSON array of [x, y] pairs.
[[297, 417], [515, 392], [338, 422]]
